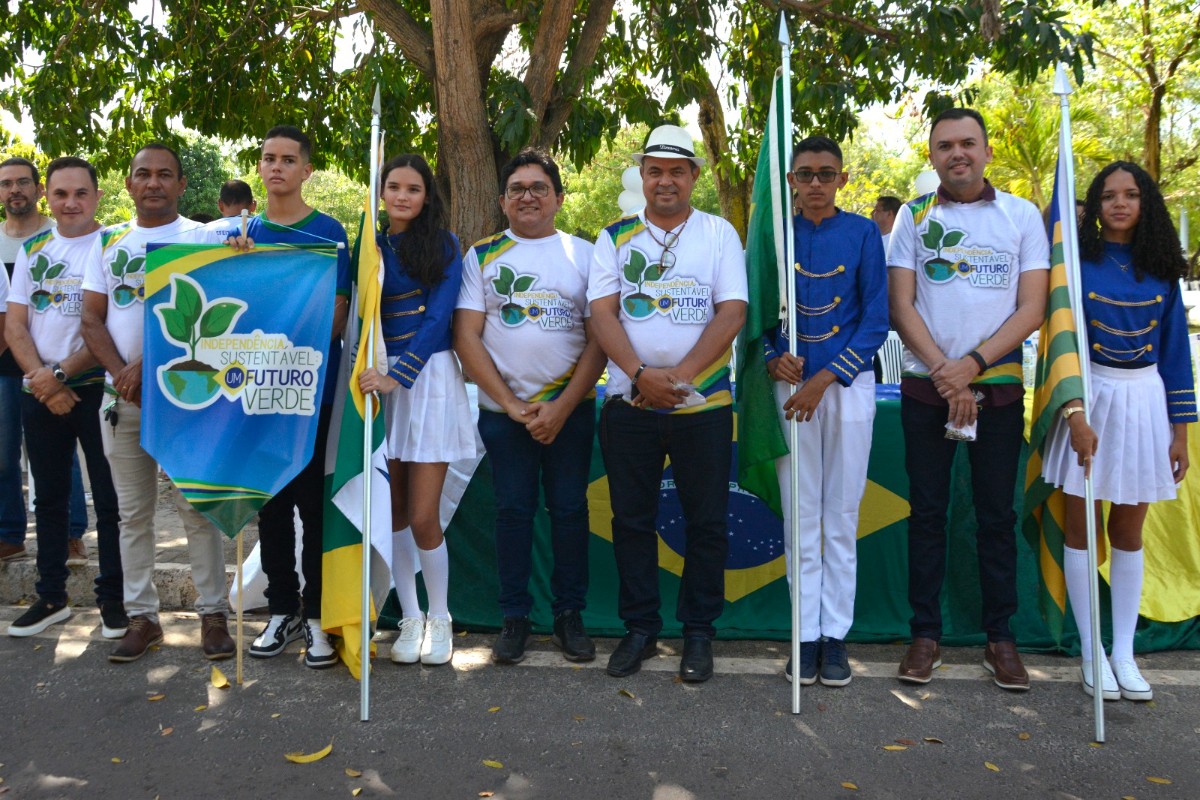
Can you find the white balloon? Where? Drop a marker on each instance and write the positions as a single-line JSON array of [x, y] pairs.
[[926, 182], [631, 179], [631, 201]]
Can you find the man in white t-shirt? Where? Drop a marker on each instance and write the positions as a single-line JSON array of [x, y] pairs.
[[113, 317], [520, 331], [968, 275], [64, 387], [667, 290]]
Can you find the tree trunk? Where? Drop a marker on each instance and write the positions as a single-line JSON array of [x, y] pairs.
[[733, 192], [1151, 141], [465, 155]]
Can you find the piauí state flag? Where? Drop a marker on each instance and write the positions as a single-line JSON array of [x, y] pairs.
[[1058, 380], [234, 363], [760, 437], [341, 563]]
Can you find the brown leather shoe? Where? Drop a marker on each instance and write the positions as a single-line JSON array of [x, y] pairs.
[[1001, 659], [214, 636], [77, 552], [12, 552], [139, 636], [921, 659]]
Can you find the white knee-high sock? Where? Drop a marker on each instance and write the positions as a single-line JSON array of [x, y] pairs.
[[1075, 568], [404, 572], [435, 568], [1125, 577]]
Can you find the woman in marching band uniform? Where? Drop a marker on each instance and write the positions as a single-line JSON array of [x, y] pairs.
[[1142, 397], [427, 414]]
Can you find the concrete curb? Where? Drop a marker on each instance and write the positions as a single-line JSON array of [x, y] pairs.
[[174, 581]]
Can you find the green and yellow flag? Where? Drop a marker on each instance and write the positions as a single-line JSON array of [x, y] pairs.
[[345, 478], [760, 437], [1058, 380]]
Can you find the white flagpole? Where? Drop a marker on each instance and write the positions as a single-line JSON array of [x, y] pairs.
[[1062, 88], [364, 669], [785, 45], [241, 588]]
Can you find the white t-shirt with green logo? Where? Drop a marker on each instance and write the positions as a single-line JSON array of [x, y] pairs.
[[48, 278], [968, 258], [534, 295], [121, 270]]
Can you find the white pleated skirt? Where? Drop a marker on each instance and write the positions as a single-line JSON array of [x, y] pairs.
[[431, 422], [1129, 414]]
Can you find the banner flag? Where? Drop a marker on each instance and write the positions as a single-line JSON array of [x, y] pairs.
[[341, 597], [760, 436], [234, 363], [1058, 380]]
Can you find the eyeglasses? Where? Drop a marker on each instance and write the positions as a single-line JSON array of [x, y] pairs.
[[516, 191], [824, 176], [20, 183]]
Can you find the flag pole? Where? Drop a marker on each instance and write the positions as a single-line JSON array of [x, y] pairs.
[[364, 671], [241, 593], [785, 142], [1070, 236]]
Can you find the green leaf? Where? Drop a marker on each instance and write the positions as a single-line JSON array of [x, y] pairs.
[[524, 283], [932, 237], [56, 270], [135, 265], [177, 327], [953, 237], [38, 270], [117, 266], [188, 301], [503, 284], [655, 271], [635, 267], [218, 319]]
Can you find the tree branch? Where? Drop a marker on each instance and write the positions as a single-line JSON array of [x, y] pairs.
[[583, 55], [546, 53], [414, 41], [819, 10]]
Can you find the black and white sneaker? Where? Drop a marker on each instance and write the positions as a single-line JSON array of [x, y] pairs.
[[41, 615], [281, 630], [113, 620], [318, 652]]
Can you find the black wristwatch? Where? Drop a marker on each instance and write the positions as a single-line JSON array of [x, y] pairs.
[[59, 374]]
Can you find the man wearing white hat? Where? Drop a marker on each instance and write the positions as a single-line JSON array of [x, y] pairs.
[[667, 291]]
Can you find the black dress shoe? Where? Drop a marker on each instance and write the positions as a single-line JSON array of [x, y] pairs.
[[696, 666], [627, 658]]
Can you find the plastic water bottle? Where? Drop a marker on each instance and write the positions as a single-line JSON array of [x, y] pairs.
[[1029, 362]]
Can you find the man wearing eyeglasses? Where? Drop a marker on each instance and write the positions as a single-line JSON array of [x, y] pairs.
[[521, 332], [668, 295], [828, 390], [20, 190]]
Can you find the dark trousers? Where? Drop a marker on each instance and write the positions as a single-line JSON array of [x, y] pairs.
[[635, 443], [518, 461], [277, 534], [50, 440], [929, 457]]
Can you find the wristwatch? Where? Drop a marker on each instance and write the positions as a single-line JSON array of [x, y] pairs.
[[1067, 412], [59, 374]]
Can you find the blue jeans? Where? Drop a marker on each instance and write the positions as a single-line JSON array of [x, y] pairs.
[[517, 462], [635, 444], [13, 519], [50, 440], [929, 458]]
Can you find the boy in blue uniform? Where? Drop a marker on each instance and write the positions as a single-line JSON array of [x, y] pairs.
[[284, 167], [841, 320]]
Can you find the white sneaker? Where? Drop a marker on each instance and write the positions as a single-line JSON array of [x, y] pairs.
[[407, 647], [280, 631], [1108, 687], [438, 645], [318, 652], [1133, 685]]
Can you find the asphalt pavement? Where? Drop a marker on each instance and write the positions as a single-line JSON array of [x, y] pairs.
[[78, 726]]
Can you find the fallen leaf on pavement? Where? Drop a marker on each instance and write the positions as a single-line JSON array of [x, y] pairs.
[[908, 742], [849, 785], [308, 758], [487, 762], [991, 766], [276, 716], [352, 773], [579, 717], [627, 693], [894, 747], [154, 698], [493, 709], [116, 760], [1023, 736], [1163, 781], [356, 791], [933, 740], [486, 794], [167, 731], [200, 708], [218, 679], [1096, 744]]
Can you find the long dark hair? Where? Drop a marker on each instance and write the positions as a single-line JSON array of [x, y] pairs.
[[425, 248], [1156, 248]]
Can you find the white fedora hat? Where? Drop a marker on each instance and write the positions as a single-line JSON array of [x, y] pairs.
[[670, 141]]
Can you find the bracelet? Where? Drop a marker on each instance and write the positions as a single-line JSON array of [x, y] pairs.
[[633, 381], [978, 359], [1068, 412]]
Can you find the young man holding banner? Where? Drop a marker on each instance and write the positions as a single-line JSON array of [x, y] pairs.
[[113, 317], [284, 167]]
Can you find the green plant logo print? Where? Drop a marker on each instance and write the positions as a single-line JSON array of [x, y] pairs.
[[637, 271], [508, 284], [42, 272], [940, 269], [187, 320], [129, 273]]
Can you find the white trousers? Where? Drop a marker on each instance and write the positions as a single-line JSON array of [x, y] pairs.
[[832, 453], [135, 477]]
